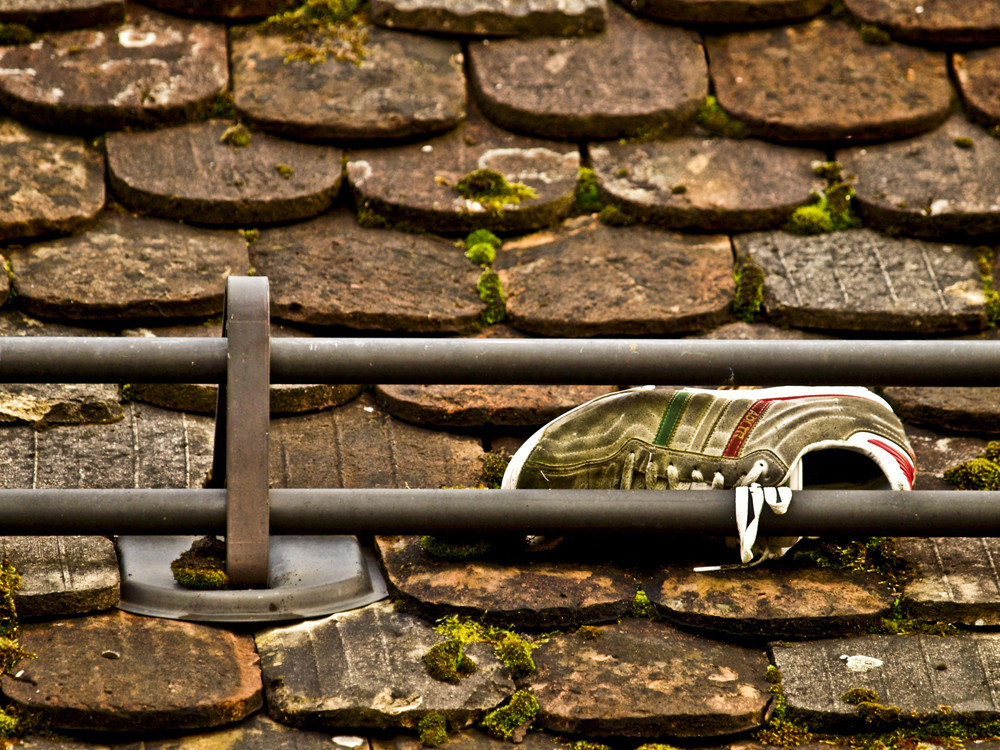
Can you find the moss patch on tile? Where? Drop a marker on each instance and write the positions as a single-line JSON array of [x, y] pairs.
[[979, 473], [448, 662], [749, 295], [586, 193], [613, 216], [715, 119], [512, 718], [322, 29], [15, 33], [203, 565], [512, 649], [433, 729], [492, 191]]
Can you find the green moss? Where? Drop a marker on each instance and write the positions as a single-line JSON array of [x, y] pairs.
[[749, 296], [491, 190], [237, 135], [976, 474], [833, 212], [491, 292], [898, 621], [588, 199], [494, 466], [284, 170], [323, 29], [15, 33], [858, 695], [641, 606], [10, 581], [714, 118], [992, 451], [481, 236], [203, 566], [828, 170], [985, 259], [448, 663], [454, 548], [779, 729], [878, 713], [773, 675], [872, 34], [613, 216], [482, 254], [433, 729], [813, 219], [657, 746], [223, 106], [518, 712], [371, 220], [588, 632], [964, 142], [250, 235], [512, 649]]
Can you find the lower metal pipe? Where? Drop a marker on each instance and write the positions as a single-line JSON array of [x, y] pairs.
[[369, 511]]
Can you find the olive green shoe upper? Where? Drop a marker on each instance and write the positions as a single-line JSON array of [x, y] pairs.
[[670, 438]]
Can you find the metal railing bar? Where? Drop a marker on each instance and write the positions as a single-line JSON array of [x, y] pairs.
[[510, 361], [391, 511], [102, 359]]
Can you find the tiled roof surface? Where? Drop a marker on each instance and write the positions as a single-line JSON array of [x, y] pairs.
[[148, 151]]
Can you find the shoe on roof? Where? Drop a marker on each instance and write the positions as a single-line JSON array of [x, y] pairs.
[[688, 438]]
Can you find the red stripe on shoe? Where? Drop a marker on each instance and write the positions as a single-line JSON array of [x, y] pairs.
[[753, 414], [745, 425], [901, 458]]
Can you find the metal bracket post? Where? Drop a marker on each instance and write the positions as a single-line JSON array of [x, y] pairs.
[[240, 460]]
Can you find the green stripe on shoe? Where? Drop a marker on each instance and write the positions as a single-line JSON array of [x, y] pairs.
[[672, 415]]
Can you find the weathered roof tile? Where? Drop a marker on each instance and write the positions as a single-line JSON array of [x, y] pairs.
[[492, 17]]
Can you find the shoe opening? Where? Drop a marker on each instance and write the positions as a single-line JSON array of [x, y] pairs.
[[837, 468]]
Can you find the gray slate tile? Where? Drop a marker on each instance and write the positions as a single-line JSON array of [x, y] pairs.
[[776, 600], [956, 579], [938, 184], [188, 173], [707, 184], [954, 23], [151, 70], [978, 75], [415, 183], [128, 268], [99, 673], [492, 17], [630, 280], [821, 82], [637, 76], [45, 15], [959, 409], [408, 86], [259, 732], [286, 398], [916, 673], [364, 669], [861, 280], [50, 183], [519, 592], [359, 445], [332, 272], [150, 448], [646, 679], [62, 575], [726, 11]]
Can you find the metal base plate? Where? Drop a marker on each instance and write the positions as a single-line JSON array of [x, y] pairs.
[[309, 576]]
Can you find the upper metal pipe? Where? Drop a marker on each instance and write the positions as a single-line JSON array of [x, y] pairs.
[[639, 361], [521, 361]]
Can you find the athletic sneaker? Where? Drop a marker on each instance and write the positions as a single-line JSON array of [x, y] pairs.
[[668, 438]]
